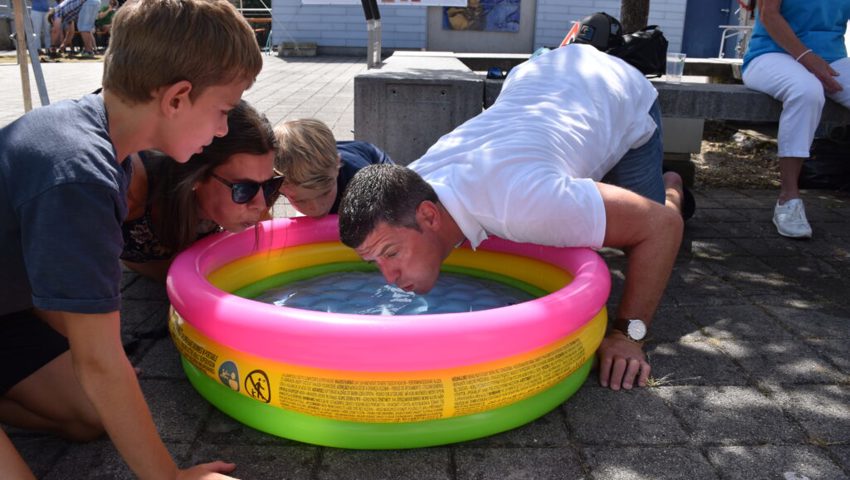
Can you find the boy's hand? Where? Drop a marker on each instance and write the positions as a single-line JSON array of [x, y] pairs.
[[207, 471], [621, 362]]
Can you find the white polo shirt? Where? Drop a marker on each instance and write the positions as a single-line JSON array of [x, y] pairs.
[[525, 169]]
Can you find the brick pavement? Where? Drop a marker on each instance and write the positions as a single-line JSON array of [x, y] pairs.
[[749, 350]]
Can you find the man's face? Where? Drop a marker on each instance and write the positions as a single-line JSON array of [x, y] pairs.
[[408, 258]]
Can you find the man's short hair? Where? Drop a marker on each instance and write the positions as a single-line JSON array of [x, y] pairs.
[[381, 193], [308, 153], [156, 43]]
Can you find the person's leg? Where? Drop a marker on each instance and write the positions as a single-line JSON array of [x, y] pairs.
[[802, 97], [56, 33], [39, 388], [37, 27], [640, 168], [68, 41]]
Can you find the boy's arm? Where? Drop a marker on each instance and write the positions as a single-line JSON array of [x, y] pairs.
[[110, 383], [650, 234]]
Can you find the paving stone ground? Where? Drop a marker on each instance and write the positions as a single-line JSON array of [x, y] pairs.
[[749, 351]]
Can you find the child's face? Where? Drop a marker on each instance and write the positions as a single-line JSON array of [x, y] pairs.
[[215, 200], [201, 120], [312, 202]]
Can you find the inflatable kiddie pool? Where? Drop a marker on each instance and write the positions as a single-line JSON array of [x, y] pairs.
[[372, 381]]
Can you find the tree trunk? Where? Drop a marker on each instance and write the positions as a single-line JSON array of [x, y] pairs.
[[634, 14]]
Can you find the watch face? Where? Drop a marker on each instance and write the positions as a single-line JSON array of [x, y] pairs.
[[636, 329]]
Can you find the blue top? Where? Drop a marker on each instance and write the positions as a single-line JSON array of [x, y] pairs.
[[40, 5], [819, 24], [62, 200], [354, 156]]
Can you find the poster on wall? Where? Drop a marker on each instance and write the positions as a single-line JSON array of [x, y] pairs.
[[415, 3], [483, 15]]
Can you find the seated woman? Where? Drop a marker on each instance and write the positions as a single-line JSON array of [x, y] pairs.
[[317, 168], [229, 186]]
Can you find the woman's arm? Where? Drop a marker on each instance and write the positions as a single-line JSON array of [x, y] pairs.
[[781, 33]]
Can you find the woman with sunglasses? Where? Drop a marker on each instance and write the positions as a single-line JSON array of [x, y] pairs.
[[230, 186]]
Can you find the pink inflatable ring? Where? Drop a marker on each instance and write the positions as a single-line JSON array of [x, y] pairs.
[[363, 381]]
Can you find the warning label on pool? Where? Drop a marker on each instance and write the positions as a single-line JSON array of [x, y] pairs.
[[497, 388], [196, 354], [387, 401], [363, 400]]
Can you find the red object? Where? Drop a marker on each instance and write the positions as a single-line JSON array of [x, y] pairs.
[[571, 35]]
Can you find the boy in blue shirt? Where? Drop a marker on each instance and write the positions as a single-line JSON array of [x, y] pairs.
[[62, 202]]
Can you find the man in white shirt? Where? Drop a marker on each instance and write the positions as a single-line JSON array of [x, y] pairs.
[[569, 155]]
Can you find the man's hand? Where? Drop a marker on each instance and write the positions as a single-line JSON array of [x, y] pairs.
[[621, 361]]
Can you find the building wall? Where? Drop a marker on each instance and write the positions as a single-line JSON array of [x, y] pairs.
[[345, 26], [406, 27]]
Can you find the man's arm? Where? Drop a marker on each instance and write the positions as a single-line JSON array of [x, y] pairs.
[[110, 383], [650, 234]]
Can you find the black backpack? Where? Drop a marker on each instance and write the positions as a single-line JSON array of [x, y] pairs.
[[645, 49]]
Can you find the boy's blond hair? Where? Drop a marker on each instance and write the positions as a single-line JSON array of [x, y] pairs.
[[156, 43], [308, 153]]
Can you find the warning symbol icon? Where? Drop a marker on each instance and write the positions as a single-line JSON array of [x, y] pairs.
[[257, 386]]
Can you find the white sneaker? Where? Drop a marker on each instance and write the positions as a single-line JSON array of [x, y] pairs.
[[790, 219]]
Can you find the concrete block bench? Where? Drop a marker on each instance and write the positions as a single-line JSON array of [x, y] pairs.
[[416, 97]]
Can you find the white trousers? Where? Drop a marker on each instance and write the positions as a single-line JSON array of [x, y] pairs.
[[40, 28], [801, 94]]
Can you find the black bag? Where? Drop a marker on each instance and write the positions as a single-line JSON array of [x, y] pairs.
[[645, 49]]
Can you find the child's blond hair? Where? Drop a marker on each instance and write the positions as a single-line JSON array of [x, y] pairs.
[[308, 153], [155, 43]]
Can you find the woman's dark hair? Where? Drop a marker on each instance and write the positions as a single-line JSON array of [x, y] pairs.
[[381, 193], [172, 184]]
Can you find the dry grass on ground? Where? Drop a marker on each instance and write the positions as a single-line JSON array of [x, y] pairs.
[[733, 158]]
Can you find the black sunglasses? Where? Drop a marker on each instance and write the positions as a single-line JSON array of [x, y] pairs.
[[243, 192]]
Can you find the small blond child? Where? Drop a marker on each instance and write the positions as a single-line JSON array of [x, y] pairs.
[[316, 168]]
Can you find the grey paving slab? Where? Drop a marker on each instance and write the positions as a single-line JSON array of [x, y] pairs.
[[729, 415], [842, 454], [598, 416], [424, 464], [178, 410], [518, 464], [748, 349], [648, 463], [694, 363], [822, 410], [774, 462], [781, 362]]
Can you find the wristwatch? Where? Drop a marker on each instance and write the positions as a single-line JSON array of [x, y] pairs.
[[633, 328]]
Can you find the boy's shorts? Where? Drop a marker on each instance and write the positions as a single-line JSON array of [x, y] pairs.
[[26, 345]]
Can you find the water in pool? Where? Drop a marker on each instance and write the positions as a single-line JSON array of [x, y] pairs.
[[367, 293]]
